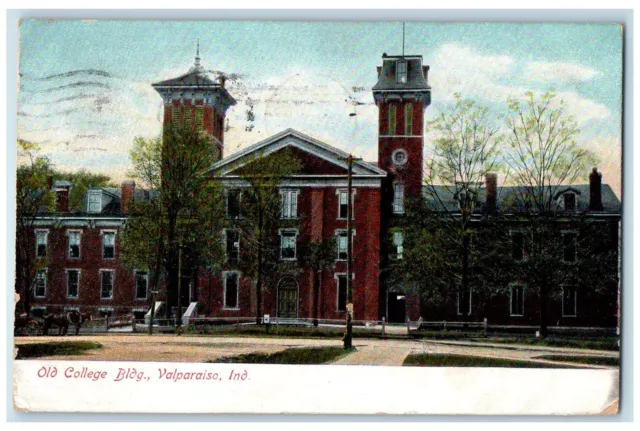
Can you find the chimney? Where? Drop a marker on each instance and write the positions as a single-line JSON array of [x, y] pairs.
[[126, 194], [62, 197], [491, 190], [595, 190], [425, 73]]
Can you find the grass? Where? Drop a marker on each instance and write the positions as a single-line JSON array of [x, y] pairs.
[[277, 331], [595, 343], [588, 360], [444, 360], [294, 356], [37, 350]]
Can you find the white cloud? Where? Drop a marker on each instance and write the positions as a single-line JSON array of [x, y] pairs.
[[558, 73]]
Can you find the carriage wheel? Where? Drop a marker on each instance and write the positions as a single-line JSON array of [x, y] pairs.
[[32, 328]]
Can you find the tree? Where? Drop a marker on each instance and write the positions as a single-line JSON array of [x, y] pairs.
[[183, 213], [35, 199], [319, 255], [260, 219], [465, 152], [544, 157]]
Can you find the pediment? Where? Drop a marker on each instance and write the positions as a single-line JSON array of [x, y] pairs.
[[317, 158]]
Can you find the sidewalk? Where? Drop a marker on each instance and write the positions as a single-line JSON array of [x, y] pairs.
[[372, 354]]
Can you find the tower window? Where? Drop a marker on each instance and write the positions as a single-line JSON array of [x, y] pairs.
[[399, 157], [401, 72], [398, 198], [199, 116], [408, 119], [392, 120], [175, 116]]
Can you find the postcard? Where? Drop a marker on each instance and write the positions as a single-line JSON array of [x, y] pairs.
[[248, 211]]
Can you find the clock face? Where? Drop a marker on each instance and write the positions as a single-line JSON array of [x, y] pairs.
[[399, 157]]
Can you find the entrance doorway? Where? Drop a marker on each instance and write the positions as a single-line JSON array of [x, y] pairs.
[[396, 307], [288, 298]]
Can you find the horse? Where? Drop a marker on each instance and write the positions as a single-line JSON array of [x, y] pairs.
[[62, 321]]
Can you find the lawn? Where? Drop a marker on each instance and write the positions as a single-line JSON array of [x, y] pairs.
[[595, 343], [294, 356], [445, 360], [65, 348], [589, 360]]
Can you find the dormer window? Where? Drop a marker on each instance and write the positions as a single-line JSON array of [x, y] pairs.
[[569, 201], [401, 72], [94, 204]]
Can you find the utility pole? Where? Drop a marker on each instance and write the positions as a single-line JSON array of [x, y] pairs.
[[179, 313], [348, 336]]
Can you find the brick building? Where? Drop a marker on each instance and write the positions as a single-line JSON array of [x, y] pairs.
[[81, 250]]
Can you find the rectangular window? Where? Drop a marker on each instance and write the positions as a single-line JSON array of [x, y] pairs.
[[342, 245], [41, 243], [569, 301], [518, 250], [106, 284], [516, 299], [288, 245], [233, 204], [401, 72], [289, 204], [199, 117], [188, 118], [41, 283], [231, 290], [73, 283], [398, 241], [233, 245], [142, 284], [408, 119], [175, 116], [398, 198], [74, 244], [570, 247], [94, 199], [108, 245], [464, 303], [342, 293], [342, 204], [392, 120]]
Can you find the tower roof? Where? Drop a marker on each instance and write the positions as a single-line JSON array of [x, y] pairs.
[[196, 77], [388, 75]]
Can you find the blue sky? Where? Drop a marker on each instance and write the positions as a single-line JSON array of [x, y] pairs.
[[307, 75]]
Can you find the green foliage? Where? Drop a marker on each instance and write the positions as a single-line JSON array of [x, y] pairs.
[[446, 360], [295, 356], [68, 348], [260, 218], [544, 151], [185, 210]]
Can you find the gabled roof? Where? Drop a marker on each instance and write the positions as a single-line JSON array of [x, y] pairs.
[[293, 138]]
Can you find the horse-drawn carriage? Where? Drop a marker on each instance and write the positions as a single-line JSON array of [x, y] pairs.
[[26, 325]]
